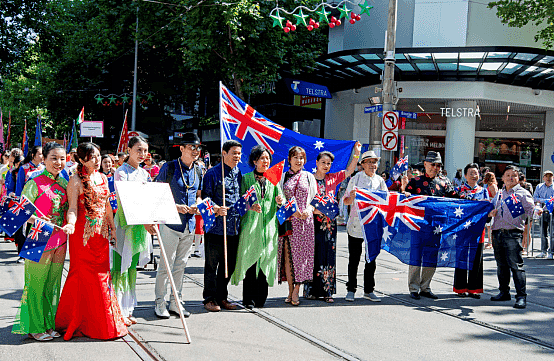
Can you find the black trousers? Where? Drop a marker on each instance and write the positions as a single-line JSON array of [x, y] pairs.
[[215, 282], [470, 281], [254, 289], [354, 252], [507, 252]]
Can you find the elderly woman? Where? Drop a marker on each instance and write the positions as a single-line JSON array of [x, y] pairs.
[[257, 250], [471, 283], [296, 241], [324, 282]]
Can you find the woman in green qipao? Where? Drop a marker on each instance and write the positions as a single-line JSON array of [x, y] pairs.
[[257, 251], [41, 293]]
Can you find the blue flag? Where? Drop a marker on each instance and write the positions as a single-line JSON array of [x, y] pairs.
[[421, 230], [240, 122], [38, 133], [514, 205], [19, 211], [36, 241], [400, 167], [207, 211], [246, 201], [550, 205], [287, 210], [326, 204], [113, 196]]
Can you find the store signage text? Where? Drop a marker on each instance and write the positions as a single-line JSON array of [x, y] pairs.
[[460, 112]]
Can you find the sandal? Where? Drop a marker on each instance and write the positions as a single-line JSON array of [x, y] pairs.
[[127, 321], [133, 320], [41, 336], [329, 300], [53, 333], [287, 300], [295, 303]]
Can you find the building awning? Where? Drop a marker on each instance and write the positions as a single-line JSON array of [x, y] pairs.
[[521, 66]]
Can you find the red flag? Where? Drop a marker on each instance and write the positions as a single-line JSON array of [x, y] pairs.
[[8, 138], [124, 137], [275, 173]]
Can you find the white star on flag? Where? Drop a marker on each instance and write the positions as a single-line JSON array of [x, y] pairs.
[[438, 229], [46, 233], [467, 224], [444, 256], [314, 170], [318, 144], [27, 212], [386, 234], [455, 236], [459, 212]]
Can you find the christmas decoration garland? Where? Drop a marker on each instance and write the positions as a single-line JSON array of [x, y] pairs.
[[113, 99], [322, 12]]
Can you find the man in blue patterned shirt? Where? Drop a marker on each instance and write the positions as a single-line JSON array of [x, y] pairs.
[[543, 193]]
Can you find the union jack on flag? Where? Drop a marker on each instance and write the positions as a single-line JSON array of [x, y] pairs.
[[17, 214], [241, 122]]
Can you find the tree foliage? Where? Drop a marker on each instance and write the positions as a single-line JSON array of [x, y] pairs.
[[518, 13]]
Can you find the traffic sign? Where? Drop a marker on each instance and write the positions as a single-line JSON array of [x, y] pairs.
[[389, 140], [373, 109], [390, 121]]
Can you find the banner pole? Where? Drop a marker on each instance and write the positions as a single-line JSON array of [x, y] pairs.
[[224, 217]]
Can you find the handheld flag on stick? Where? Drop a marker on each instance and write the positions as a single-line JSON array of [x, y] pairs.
[[113, 196], [36, 241], [246, 201], [73, 142], [400, 167], [124, 137], [287, 210], [19, 211], [550, 205], [514, 205], [326, 204], [207, 211], [38, 133], [275, 173]]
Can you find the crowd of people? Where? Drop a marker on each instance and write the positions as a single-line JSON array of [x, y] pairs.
[[98, 298]]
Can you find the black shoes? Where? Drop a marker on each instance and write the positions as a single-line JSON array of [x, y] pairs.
[[474, 295], [415, 295], [429, 294], [502, 296], [520, 303]]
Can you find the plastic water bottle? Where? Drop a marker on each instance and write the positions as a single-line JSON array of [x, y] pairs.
[[536, 212]]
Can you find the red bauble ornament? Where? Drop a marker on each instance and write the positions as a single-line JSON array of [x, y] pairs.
[[352, 21], [312, 22], [289, 24], [293, 28], [316, 25], [286, 29], [358, 17], [338, 22], [353, 15], [310, 27], [333, 19], [331, 25]]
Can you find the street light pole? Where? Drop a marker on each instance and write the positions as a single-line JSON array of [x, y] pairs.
[[134, 116], [388, 75]]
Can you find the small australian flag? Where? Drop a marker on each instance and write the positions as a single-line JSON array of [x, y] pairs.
[[18, 212], [400, 167], [36, 241], [326, 204], [113, 196], [4, 203], [286, 210], [246, 201], [514, 205], [207, 211], [550, 205]]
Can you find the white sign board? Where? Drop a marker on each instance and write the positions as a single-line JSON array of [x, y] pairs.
[[92, 129], [147, 203]]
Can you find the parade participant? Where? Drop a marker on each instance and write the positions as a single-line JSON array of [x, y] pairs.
[[491, 185], [507, 233], [367, 179], [106, 166], [470, 283], [134, 244], [11, 176], [71, 164], [215, 283], [458, 180], [185, 182], [43, 279], [151, 167], [324, 283], [31, 163], [120, 159], [543, 193], [296, 238], [432, 183], [88, 305], [257, 248], [4, 167]]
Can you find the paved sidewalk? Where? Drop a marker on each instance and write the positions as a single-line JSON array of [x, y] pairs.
[[450, 328]]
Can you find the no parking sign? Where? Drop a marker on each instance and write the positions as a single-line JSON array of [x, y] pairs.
[[389, 131]]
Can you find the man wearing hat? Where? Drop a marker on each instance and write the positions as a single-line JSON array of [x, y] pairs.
[[432, 183], [185, 181], [543, 193], [369, 180]]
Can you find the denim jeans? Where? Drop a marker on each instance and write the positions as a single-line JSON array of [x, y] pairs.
[[507, 252]]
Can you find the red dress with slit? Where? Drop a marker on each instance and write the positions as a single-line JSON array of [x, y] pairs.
[[88, 304]]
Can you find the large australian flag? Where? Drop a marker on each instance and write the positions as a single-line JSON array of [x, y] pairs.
[[421, 230], [240, 122]]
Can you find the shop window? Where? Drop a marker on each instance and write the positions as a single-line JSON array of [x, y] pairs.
[[511, 123]]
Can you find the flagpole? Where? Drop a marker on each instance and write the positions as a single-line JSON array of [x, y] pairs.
[[223, 181]]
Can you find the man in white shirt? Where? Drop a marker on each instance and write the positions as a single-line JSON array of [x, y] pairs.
[[369, 180]]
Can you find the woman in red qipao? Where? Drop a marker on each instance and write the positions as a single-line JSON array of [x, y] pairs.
[[88, 305]]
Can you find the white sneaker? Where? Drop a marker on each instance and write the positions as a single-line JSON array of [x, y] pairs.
[[372, 297], [541, 255], [349, 296], [550, 256], [175, 309], [161, 310]]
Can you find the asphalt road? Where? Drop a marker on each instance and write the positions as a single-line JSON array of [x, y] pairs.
[[398, 328]]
